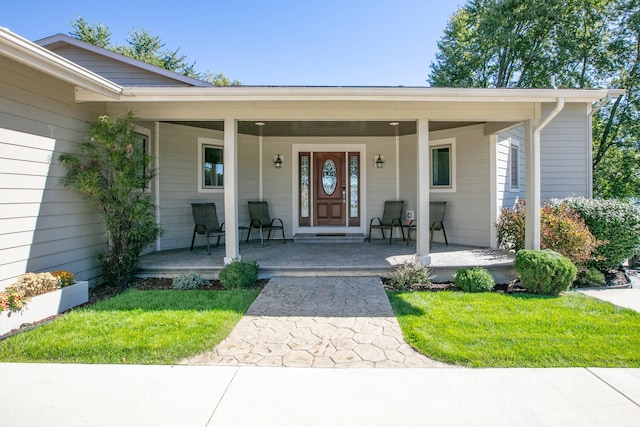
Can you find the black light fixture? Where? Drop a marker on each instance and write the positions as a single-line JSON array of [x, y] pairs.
[[379, 161], [278, 162]]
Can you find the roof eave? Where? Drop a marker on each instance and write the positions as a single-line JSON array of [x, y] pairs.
[[22, 50], [399, 94]]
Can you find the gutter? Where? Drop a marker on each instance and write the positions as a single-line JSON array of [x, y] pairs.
[[30, 54]]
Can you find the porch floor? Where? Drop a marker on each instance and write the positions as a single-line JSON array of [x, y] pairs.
[[328, 259]]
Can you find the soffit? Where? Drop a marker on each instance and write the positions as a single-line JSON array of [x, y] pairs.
[[326, 128]]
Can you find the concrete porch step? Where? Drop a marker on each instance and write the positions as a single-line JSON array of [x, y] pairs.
[[328, 238]]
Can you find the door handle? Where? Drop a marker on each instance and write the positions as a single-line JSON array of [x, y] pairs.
[[344, 194]]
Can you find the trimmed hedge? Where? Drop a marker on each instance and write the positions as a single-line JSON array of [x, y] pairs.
[[239, 274], [545, 272], [616, 225]]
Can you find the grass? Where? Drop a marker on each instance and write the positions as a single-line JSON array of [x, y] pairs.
[[502, 330], [145, 327]]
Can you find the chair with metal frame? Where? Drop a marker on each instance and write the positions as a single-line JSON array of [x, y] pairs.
[[391, 218], [260, 219], [206, 222]]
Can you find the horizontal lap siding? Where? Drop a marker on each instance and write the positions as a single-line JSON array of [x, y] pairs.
[[178, 178], [467, 218], [43, 226], [118, 72], [564, 154], [505, 195]]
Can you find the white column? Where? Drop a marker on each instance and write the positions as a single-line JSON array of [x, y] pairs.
[[493, 190], [232, 247], [532, 220], [424, 170]]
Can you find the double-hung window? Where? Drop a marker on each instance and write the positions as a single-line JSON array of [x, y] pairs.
[[211, 165]]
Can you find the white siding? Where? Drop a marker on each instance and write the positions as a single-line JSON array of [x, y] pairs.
[[564, 151], [467, 218], [117, 72], [43, 226], [506, 195]]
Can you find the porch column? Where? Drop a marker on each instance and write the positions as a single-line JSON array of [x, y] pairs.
[[532, 200], [232, 248], [422, 216]]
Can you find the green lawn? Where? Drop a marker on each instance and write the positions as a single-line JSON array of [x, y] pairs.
[[502, 330], [150, 327]]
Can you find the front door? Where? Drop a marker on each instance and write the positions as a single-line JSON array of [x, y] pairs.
[[330, 190]]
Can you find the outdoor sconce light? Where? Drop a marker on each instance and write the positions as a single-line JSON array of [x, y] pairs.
[[278, 162], [379, 161]]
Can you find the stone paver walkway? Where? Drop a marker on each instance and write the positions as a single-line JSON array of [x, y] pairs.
[[341, 322]]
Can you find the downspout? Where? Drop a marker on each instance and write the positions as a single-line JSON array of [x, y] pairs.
[[532, 219]]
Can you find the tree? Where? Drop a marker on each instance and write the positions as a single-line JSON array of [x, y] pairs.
[[581, 43], [112, 171], [144, 46], [96, 34]]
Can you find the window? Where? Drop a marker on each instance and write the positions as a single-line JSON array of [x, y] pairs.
[[514, 165], [211, 165], [443, 176], [142, 148]]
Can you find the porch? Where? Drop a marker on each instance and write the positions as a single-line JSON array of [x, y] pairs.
[[328, 259]]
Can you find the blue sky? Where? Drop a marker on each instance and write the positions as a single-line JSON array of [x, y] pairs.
[[292, 42]]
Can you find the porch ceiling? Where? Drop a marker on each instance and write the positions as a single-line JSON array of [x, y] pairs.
[[326, 128]]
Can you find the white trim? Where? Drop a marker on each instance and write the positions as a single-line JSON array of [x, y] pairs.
[[377, 94], [296, 149], [397, 165], [436, 143], [202, 141]]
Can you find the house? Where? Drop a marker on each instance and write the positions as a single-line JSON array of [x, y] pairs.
[[342, 152]]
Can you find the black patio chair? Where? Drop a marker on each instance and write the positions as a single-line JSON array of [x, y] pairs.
[[206, 222], [436, 216], [260, 219], [391, 217]]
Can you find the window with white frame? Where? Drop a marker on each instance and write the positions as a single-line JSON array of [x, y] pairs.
[[514, 165], [443, 165], [210, 165]]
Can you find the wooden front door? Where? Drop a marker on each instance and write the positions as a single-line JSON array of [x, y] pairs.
[[330, 204]]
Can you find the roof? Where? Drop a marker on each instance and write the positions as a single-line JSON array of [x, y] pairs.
[[60, 40], [22, 50]]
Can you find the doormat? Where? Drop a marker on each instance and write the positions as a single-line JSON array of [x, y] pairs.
[[330, 234]]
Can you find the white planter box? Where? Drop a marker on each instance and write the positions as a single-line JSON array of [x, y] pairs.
[[45, 305]]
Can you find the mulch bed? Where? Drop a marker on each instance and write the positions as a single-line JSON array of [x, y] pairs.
[[613, 278]]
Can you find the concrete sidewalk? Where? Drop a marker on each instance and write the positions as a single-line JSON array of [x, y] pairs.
[[130, 395]]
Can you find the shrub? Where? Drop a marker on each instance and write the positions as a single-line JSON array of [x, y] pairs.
[[564, 231], [188, 281], [545, 272], [239, 274], [561, 230], [613, 222], [34, 284], [590, 277], [510, 227], [408, 274], [475, 279]]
